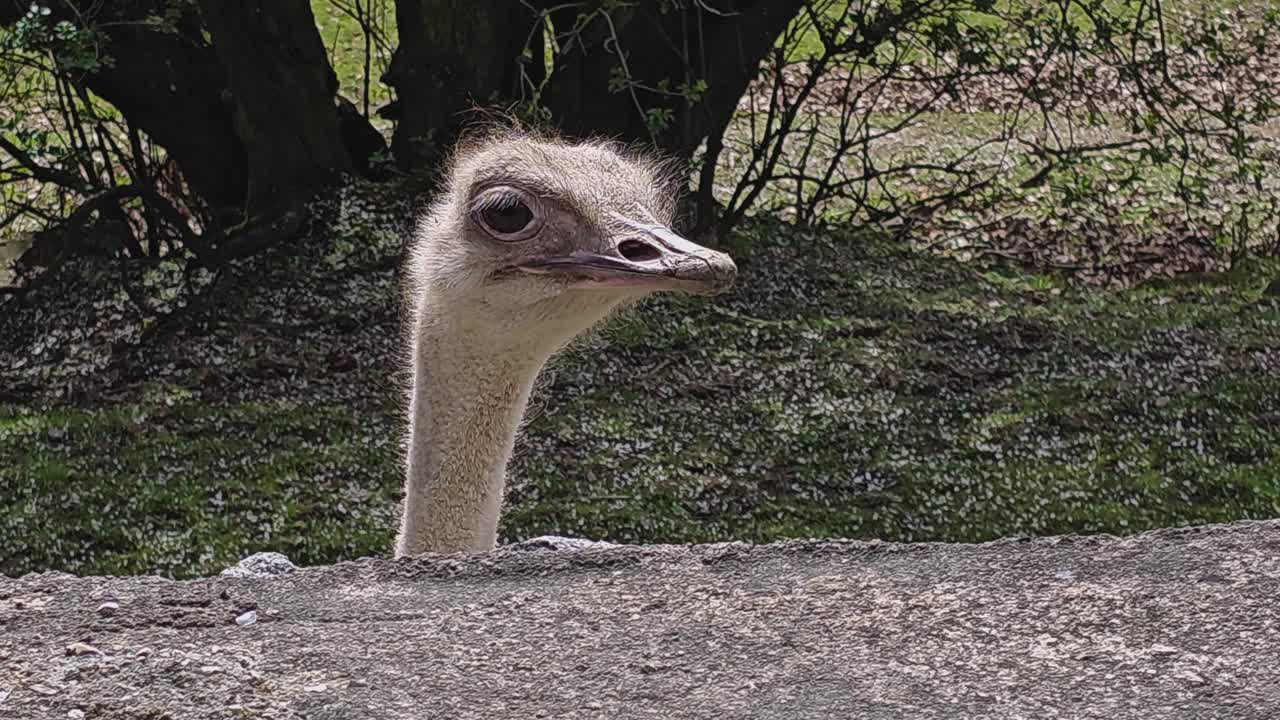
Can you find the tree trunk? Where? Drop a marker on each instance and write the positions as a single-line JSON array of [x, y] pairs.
[[646, 49], [167, 84], [282, 89], [453, 55]]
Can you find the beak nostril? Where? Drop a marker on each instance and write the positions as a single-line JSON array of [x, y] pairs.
[[638, 251]]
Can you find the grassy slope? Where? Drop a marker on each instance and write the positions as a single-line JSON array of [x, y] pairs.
[[847, 388]]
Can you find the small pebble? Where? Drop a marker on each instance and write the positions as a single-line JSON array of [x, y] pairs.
[[43, 690], [248, 618], [144, 652], [75, 714], [79, 648], [108, 608], [314, 688]]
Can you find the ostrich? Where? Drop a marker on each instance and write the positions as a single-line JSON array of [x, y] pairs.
[[532, 241]]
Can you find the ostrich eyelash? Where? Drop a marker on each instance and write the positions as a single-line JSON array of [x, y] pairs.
[[496, 200]]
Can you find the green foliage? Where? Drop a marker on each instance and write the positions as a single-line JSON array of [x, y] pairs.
[[355, 32], [44, 119], [850, 80], [1098, 110], [74, 48]]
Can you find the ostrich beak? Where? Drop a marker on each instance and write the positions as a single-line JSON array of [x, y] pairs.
[[648, 257]]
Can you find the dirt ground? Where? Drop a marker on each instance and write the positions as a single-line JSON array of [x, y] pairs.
[[1171, 624]]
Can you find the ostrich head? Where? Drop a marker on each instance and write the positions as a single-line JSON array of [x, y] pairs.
[[534, 241], [531, 242]]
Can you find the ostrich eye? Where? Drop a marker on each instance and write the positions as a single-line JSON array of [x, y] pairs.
[[506, 214]]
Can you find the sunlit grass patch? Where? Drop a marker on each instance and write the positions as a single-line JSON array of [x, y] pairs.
[[970, 411], [184, 489]]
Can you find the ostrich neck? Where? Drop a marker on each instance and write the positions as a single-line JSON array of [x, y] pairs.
[[463, 417]]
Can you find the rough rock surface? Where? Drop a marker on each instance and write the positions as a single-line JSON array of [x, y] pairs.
[[1172, 624]]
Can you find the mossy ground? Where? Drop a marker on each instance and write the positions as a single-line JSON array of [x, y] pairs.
[[848, 387]]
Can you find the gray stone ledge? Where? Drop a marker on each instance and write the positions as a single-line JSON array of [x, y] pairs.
[[1170, 624]]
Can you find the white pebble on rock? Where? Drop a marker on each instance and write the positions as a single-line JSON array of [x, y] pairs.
[[263, 564]]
